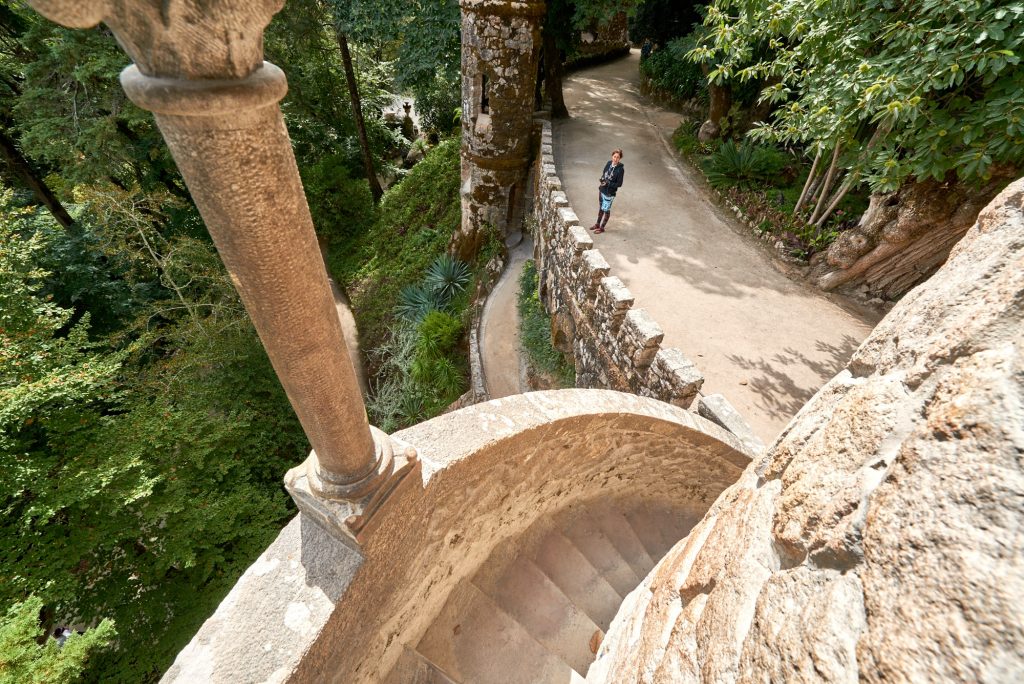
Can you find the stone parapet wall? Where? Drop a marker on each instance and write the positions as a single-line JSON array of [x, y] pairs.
[[615, 344], [609, 40]]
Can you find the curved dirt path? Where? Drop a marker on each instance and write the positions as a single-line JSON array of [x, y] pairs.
[[765, 342], [499, 329]]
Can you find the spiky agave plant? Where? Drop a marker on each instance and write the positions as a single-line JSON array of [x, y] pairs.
[[417, 300], [447, 276]]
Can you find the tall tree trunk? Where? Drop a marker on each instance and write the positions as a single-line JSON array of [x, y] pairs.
[[357, 114], [21, 167], [721, 100], [553, 77]]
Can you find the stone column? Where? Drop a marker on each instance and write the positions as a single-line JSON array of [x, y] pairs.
[[199, 68]]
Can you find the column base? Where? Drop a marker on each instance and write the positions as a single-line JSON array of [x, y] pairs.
[[326, 486], [345, 509]]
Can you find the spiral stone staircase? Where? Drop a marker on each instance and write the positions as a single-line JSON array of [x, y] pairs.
[[538, 608]]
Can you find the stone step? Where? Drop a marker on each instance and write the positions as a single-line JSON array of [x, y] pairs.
[[474, 640], [676, 524], [617, 529], [600, 551], [413, 668], [528, 595], [648, 530], [567, 567]]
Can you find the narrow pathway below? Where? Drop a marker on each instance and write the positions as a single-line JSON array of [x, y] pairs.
[[499, 328], [765, 342]]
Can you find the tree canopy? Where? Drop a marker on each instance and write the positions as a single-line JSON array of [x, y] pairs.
[[903, 89]]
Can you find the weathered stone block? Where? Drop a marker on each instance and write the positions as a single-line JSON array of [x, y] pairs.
[[568, 217], [717, 409], [593, 268], [552, 182], [579, 240], [639, 337]]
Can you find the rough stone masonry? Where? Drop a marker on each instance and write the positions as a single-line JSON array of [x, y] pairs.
[[500, 50]]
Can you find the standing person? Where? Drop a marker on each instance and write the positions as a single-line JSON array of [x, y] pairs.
[[611, 181]]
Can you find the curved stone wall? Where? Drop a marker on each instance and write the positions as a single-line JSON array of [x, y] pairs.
[[615, 345], [310, 609]]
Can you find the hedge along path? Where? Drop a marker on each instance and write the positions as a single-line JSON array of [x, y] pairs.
[[763, 341]]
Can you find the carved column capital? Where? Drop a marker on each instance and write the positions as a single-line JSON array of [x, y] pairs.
[[184, 39]]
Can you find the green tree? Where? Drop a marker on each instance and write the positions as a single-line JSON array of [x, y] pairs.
[[23, 660], [879, 91], [140, 471]]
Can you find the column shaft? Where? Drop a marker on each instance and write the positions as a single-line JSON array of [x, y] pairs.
[[231, 145]]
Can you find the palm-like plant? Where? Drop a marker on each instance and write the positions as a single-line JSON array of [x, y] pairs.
[[447, 276], [416, 301], [744, 165]]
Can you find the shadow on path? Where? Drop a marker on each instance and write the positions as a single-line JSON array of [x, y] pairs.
[[767, 343]]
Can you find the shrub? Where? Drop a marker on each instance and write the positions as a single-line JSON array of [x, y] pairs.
[[439, 334], [341, 205], [437, 104], [744, 165], [685, 139], [415, 222], [445, 279], [421, 371], [24, 661], [668, 69]]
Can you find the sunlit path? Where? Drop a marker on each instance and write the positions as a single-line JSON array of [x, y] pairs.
[[765, 342]]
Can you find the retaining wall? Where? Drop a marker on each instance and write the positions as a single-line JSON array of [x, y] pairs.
[[615, 345]]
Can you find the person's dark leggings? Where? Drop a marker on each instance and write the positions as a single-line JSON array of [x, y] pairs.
[[602, 216]]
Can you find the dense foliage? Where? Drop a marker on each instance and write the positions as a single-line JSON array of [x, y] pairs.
[[24, 661], [901, 89], [661, 21], [141, 468], [668, 70], [415, 222], [143, 433]]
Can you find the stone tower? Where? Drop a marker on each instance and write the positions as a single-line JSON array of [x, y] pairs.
[[500, 49]]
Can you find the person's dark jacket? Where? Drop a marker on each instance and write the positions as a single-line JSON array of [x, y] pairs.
[[614, 177]]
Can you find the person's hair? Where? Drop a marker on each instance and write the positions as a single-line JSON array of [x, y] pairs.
[[617, 151]]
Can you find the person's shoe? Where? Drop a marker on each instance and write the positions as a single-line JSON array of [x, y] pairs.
[[598, 229], [594, 227]]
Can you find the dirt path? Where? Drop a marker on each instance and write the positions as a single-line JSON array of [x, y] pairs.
[[499, 329], [765, 342]]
